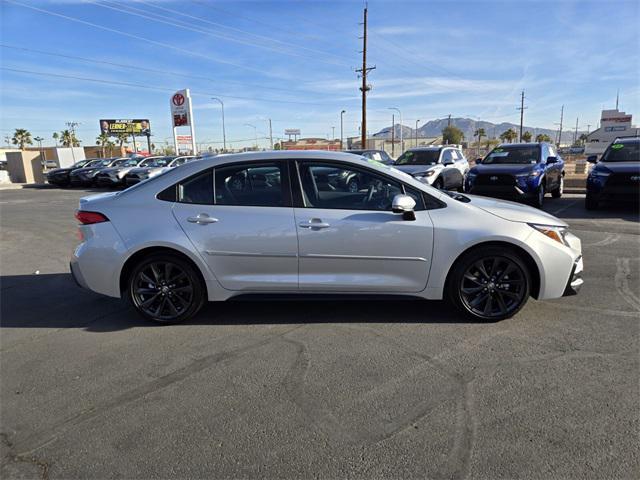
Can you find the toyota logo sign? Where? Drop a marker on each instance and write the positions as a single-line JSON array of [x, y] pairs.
[[493, 178], [178, 99]]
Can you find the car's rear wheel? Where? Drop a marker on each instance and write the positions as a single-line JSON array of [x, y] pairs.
[[590, 202], [557, 193], [489, 284], [165, 288]]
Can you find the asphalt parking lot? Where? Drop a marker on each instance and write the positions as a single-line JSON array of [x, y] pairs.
[[315, 389]]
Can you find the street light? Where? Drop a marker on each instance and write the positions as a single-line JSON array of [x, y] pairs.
[[255, 133], [401, 137], [342, 128], [39, 140], [224, 134], [417, 121]]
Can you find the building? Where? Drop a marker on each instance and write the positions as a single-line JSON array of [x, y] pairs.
[[310, 144], [613, 124], [392, 148]]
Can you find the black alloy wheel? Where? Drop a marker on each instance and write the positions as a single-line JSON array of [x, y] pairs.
[[166, 289], [490, 284]]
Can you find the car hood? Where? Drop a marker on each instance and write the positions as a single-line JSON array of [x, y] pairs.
[[116, 170], [78, 171], [513, 169], [59, 170], [515, 212], [620, 167], [413, 169]]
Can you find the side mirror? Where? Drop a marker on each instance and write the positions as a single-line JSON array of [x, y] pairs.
[[404, 204], [592, 159], [552, 160], [477, 161], [446, 163]]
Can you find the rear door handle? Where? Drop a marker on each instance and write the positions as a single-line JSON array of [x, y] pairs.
[[202, 219], [314, 223]]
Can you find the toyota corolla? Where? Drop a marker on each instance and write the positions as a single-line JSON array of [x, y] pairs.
[[272, 223]]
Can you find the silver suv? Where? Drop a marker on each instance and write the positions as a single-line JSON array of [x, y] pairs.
[[443, 166]]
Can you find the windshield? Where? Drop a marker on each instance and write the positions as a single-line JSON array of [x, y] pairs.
[[81, 163], [513, 155], [97, 163], [160, 162], [422, 157], [622, 152], [120, 162]]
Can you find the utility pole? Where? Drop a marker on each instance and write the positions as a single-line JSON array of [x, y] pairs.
[[617, 98], [522, 109], [364, 88], [417, 121], [342, 128], [560, 130], [270, 134], [449, 121], [393, 134], [575, 134], [393, 126], [588, 128], [224, 133], [333, 133]]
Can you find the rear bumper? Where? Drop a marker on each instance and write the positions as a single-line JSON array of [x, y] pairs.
[[575, 279], [76, 274]]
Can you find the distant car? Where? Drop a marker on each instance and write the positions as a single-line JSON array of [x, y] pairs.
[[376, 155], [443, 167], [85, 176], [50, 164], [156, 167], [518, 171], [616, 176], [60, 176], [115, 176]]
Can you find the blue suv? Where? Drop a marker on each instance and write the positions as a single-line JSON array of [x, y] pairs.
[[518, 171], [617, 175]]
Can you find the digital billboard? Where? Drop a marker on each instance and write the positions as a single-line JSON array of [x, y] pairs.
[[132, 127]]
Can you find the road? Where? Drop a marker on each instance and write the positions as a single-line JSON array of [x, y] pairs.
[[315, 389]]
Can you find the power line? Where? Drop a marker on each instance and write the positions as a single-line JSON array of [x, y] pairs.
[[146, 86]]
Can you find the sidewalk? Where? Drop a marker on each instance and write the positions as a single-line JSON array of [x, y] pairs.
[[17, 186]]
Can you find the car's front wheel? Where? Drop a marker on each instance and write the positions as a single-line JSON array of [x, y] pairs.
[[489, 283], [165, 288], [557, 193], [538, 200], [590, 202]]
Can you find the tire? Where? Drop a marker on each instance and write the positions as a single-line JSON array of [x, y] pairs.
[[538, 201], [439, 184], [590, 202], [165, 288], [557, 193], [473, 284]]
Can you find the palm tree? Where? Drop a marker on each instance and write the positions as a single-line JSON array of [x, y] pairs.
[[526, 136], [56, 136], [22, 137], [69, 139], [479, 133], [508, 135], [583, 138], [543, 137], [122, 138], [102, 140]]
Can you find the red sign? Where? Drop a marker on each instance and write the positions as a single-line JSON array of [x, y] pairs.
[[178, 99]]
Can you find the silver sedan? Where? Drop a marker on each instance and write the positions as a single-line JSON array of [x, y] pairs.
[[287, 223]]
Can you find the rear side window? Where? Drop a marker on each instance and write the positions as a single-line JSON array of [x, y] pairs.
[[197, 189], [250, 185]]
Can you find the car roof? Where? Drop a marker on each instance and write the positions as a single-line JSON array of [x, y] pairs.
[[627, 140], [429, 149]]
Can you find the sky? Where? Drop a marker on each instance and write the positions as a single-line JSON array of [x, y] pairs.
[[294, 62]]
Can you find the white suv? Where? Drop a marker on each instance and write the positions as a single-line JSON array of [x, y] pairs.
[[443, 166]]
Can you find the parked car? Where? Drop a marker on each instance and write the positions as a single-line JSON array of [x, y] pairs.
[[155, 167], [85, 176], [60, 176], [115, 176], [195, 234], [377, 155], [616, 176], [518, 171], [442, 166]]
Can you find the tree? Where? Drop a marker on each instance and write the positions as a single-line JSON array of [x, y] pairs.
[[69, 139], [479, 133], [452, 135], [526, 136], [122, 138], [103, 141], [543, 137], [508, 135], [583, 138], [56, 136], [492, 142], [22, 138]]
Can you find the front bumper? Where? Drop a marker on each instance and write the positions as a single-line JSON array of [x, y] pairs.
[[575, 279], [505, 192], [81, 181], [108, 181]]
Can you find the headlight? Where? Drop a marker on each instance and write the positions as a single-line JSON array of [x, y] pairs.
[[535, 173], [600, 173], [553, 232], [425, 174]]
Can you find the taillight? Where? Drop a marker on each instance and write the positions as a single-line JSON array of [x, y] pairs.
[[88, 218]]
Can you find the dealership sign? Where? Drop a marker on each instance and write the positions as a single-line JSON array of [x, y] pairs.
[[184, 139], [181, 108], [292, 131], [132, 127]]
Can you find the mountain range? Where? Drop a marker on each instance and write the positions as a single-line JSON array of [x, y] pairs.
[[433, 128]]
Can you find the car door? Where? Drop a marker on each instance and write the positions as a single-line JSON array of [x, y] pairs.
[[240, 219], [550, 170], [352, 241]]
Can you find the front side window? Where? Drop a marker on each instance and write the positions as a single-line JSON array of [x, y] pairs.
[[419, 157], [447, 156], [334, 186], [254, 185]]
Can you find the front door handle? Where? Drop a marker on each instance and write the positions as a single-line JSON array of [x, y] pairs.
[[202, 219], [314, 223]]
